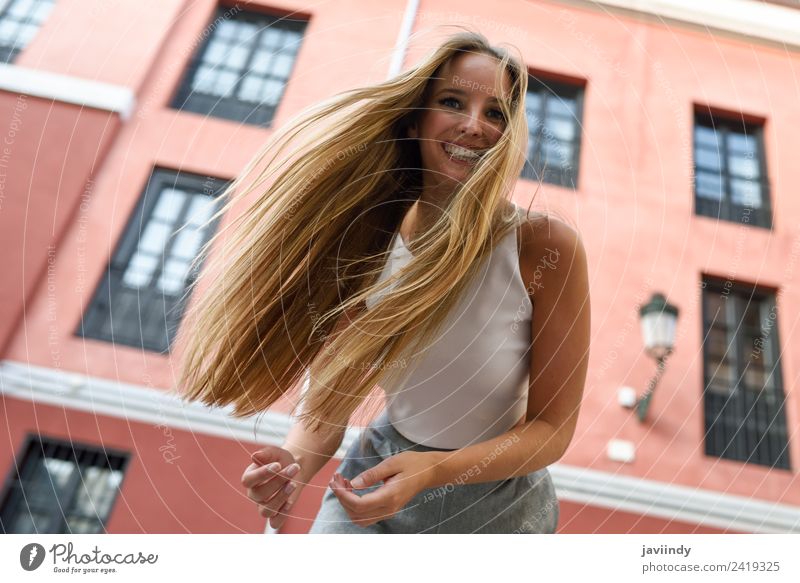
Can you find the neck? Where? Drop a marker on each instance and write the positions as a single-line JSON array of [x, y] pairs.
[[427, 209]]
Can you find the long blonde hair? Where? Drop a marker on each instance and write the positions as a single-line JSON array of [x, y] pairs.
[[337, 181]]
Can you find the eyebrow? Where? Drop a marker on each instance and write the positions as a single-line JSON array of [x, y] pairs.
[[458, 91]]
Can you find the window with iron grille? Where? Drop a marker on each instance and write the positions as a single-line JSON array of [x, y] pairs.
[[553, 110], [730, 170], [241, 71], [58, 487], [743, 396], [140, 300], [20, 20]]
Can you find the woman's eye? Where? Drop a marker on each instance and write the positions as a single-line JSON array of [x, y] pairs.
[[498, 114], [452, 101]]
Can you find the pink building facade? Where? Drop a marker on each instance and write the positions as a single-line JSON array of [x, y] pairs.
[[669, 142]]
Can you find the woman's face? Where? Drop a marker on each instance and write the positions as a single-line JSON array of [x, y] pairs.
[[461, 118]]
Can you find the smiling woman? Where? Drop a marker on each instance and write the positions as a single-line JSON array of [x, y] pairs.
[[383, 247]]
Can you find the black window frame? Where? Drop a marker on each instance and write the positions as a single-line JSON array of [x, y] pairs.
[[187, 100], [723, 124], [9, 53], [36, 448], [550, 87], [742, 423], [94, 319]]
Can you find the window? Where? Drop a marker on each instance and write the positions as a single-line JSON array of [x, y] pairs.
[[553, 110], [20, 20], [730, 170], [61, 488], [241, 71], [140, 300], [743, 395]]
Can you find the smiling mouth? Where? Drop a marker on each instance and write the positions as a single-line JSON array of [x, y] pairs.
[[461, 154]]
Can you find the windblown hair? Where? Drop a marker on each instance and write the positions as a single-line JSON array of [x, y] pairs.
[[310, 248]]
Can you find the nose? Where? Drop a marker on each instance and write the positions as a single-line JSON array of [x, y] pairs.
[[471, 124]]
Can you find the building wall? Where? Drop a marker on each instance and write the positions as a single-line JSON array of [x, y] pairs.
[[82, 170]]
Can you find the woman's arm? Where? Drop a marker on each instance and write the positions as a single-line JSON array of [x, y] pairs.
[[560, 328]]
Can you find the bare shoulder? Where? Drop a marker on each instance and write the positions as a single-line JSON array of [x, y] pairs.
[[551, 252]]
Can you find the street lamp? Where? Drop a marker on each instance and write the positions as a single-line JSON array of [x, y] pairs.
[[658, 319]]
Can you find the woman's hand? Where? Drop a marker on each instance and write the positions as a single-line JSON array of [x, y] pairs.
[[269, 483], [404, 476]]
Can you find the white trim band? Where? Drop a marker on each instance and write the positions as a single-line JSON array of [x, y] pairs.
[[68, 89], [575, 484], [743, 18]]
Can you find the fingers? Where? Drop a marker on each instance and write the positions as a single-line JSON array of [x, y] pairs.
[[275, 480], [258, 475], [362, 512], [270, 508], [277, 519]]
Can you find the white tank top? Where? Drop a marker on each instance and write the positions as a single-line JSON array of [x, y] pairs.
[[471, 383]]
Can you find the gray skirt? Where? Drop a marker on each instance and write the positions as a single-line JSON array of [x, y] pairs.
[[521, 505]]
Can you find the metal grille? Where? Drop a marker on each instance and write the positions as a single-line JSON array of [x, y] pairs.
[[743, 395], [20, 20], [554, 112], [141, 298], [730, 171], [61, 487], [241, 71]]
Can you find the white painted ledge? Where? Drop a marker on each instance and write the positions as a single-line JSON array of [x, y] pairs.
[[68, 89], [743, 18]]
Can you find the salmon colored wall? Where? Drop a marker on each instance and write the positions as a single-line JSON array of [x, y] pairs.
[[575, 518], [48, 154]]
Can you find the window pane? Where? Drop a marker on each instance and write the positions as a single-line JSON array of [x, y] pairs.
[[201, 209], [187, 243], [140, 270], [272, 92], [709, 185], [563, 129], [226, 29], [282, 66], [93, 497], [563, 106], [250, 89], [261, 62], [154, 238], [215, 53], [741, 143], [271, 37], [533, 101], [706, 136], [203, 81], [708, 159], [20, 8], [8, 30], [743, 167], [170, 203], [746, 193], [224, 83], [237, 57], [717, 343]]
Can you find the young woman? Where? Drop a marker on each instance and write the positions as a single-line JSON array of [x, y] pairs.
[[384, 248]]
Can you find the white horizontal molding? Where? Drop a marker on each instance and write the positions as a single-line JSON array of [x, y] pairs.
[[601, 489], [674, 502], [68, 89], [743, 18]]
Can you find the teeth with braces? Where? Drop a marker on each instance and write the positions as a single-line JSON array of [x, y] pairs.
[[460, 153]]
